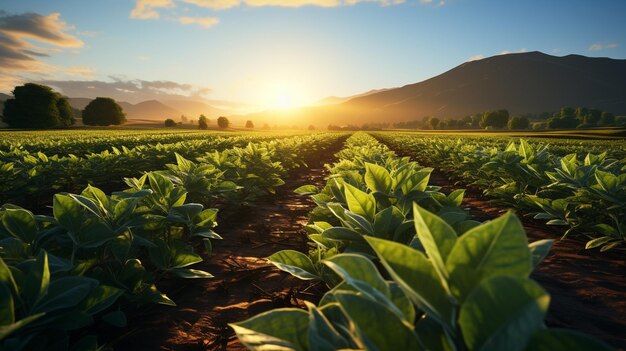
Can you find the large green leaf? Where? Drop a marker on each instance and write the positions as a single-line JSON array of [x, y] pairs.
[[322, 334], [377, 327], [502, 313], [360, 202], [387, 221], [21, 224], [417, 277], [279, 330], [6, 278], [95, 234], [493, 248], [65, 292], [7, 307], [68, 213], [437, 238], [539, 250], [7, 330], [358, 267], [100, 298], [98, 196], [295, 263], [37, 280], [377, 178]]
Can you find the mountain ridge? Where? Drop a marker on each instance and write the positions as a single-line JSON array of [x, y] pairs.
[[531, 82]]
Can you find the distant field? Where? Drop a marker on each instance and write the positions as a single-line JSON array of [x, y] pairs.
[[604, 133]]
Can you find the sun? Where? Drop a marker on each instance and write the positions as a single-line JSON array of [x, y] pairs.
[[284, 101], [284, 95]]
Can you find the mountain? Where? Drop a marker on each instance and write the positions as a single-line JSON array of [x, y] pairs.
[[79, 103], [522, 83], [151, 109], [531, 82], [193, 108], [334, 100], [159, 110]]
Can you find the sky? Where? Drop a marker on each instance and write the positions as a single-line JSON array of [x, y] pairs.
[[263, 54]]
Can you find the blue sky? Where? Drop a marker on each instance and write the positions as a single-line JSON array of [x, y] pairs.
[[267, 54]]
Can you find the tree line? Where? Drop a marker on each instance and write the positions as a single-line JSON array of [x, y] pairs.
[[565, 118], [36, 106]]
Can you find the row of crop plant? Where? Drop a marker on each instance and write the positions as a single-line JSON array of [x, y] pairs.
[[408, 269], [583, 192], [25, 174], [100, 252]]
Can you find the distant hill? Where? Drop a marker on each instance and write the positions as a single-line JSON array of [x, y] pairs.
[[522, 83], [79, 103], [151, 109], [530, 82], [159, 110], [333, 100], [193, 108]]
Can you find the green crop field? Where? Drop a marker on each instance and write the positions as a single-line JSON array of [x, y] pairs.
[[95, 223]]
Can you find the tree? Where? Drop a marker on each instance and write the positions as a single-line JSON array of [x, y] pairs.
[[311, 127], [607, 119], [434, 122], [103, 112], [37, 106], [562, 122], [476, 120], [495, 119], [593, 116], [249, 124], [170, 122], [519, 122], [223, 122], [567, 112], [183, 118], [203, 122]]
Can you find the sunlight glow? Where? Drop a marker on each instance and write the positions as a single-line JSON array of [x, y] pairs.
[[284, 95]]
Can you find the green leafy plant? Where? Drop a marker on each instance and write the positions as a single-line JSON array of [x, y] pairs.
[[467, 292]]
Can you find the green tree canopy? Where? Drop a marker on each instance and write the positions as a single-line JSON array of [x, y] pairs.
[[223, 122], [170, 122], [37, 106], [519, 122], [203, 122], [495, 119], [103, 112]]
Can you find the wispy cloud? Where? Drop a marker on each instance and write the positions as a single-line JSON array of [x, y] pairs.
[[146, 9], [476, 57], [26, 39], [206, 22], [601, 46], [149, 9], [131, 90]]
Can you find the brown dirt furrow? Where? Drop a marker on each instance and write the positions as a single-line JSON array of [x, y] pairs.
[[245, 284]]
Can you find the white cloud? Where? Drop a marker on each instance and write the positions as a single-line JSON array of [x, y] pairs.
[[26, 39], [124, 89], [206, 22], [600, 46], [476, 57], [148, 9], [145, 9]]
